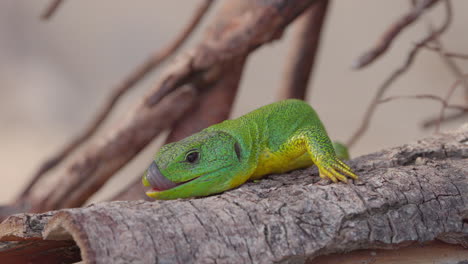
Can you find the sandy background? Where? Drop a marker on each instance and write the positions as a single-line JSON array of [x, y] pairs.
[[54, 75]]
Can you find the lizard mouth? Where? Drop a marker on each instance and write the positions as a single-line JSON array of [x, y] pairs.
[[157, 181]]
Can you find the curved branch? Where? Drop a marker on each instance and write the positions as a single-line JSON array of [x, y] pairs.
[[454, 55], [213, 106], [432, 97], [131, 81], [386, 40], [436, 121], [398, 73]]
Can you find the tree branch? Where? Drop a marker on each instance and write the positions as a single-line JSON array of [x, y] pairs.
[[281, 218], [451, 65], [441, 118], [89, 171], [214, 104], [387, 38], [304, 51], [51, 9], [454, 55], [436, 121], [131, 81], [398, 73], [432, 97]]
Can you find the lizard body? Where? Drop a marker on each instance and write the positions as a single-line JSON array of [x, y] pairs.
[[275, 138]]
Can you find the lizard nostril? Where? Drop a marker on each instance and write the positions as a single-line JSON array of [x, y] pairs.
[[157, 180]]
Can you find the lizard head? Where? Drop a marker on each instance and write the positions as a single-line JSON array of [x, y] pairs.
[[194, 166]]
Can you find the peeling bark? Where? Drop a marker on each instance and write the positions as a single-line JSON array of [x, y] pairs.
[[405, 195]]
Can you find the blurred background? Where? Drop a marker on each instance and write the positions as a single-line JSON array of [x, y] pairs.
[[55, 75]]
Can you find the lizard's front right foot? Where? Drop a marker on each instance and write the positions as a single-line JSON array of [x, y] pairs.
[[335, 169]]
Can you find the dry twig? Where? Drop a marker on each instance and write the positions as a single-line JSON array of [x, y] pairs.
[[454, 55], [397, 73], [451, 65], [51, 9], [432, 97], [435, 121], [387, 38], [456, 71], [444, 106], [443, 101], [440, 119], [136, 76]]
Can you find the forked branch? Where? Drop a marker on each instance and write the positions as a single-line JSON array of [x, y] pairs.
[[131, 81], [399, 72], [392, 32]]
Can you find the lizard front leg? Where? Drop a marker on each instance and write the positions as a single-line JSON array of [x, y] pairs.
[[322, 153]]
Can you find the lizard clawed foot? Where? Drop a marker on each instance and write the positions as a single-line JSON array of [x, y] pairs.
[[335, 170]]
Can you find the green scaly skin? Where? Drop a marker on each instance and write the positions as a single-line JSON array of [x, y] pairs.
[[276, 138]]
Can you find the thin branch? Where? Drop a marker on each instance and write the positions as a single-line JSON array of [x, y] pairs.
[[454, 55], [425, 96], [387, 38], [451, 65], [380, 92], [51, 9], [442, 101], [440, 119], [434, 121], [301, 61], [444, 106], [136, 76], [453, 68], [396, 74]]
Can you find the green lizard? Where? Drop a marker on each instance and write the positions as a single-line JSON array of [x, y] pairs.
[[275, 138]]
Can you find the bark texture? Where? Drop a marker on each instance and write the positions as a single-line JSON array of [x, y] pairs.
[[412, 193]]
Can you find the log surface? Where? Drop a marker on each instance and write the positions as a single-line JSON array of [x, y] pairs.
[[408, 194]]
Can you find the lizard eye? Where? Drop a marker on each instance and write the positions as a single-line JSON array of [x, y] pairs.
[[192, 157]]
